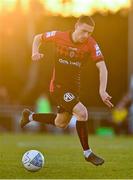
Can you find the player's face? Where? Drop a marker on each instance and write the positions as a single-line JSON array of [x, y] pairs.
[[83, 31]]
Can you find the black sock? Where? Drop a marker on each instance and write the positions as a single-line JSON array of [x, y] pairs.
[[47, 118], [82, 130]]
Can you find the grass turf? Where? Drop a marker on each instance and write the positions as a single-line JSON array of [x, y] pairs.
[[64, 159]]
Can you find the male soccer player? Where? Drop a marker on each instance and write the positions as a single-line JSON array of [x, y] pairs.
[[72, 51]]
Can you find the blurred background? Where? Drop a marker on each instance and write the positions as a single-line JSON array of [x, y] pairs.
[[24, 83]]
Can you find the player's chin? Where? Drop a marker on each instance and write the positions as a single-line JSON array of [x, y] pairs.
[[82, 40]]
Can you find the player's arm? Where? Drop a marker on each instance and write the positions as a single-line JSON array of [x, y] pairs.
[[38, 39], [103, 75], [36, 55]]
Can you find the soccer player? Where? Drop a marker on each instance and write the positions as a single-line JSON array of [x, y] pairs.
[[72, 51]]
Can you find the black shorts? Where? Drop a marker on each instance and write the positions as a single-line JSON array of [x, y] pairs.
[[65, 99]]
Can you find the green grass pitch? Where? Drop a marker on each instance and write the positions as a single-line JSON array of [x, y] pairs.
[[64, 159]]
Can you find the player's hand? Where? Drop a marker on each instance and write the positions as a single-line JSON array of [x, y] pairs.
[[106, 98], [37, 56]]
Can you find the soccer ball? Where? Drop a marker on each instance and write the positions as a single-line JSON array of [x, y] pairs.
[[33, 160]]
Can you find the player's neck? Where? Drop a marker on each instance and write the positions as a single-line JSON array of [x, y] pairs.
[[74, 38]]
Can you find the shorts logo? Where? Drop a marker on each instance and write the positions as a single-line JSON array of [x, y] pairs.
[[68, 97]]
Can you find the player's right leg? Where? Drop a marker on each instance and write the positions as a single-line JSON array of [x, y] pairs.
[[27, 116], [81, 113]]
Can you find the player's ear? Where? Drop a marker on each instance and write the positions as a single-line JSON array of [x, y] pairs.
[[76, 25]]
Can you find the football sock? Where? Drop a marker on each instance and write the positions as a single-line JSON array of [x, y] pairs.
[[31, 116], [87, 153], [82, 131], [47, 118]]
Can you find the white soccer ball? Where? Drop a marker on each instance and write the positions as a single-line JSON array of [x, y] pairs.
[[33, 160]]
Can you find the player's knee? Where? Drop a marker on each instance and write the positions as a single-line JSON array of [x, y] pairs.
[[62, 125], [83, 116], [62, 120], [80, 111]]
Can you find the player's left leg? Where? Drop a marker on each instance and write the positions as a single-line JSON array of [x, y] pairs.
[[81, 113], [62, 119], [27, 116]]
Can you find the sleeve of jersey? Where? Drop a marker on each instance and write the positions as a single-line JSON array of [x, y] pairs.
[[49, 36], [95, 52]]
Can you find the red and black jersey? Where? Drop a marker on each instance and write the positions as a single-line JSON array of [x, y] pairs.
[[70, 57]]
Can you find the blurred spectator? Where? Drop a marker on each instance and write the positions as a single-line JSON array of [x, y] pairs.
[[6, 122], [131, 106], [4, 96], [28, 94], [43, 104], [123, 113]]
